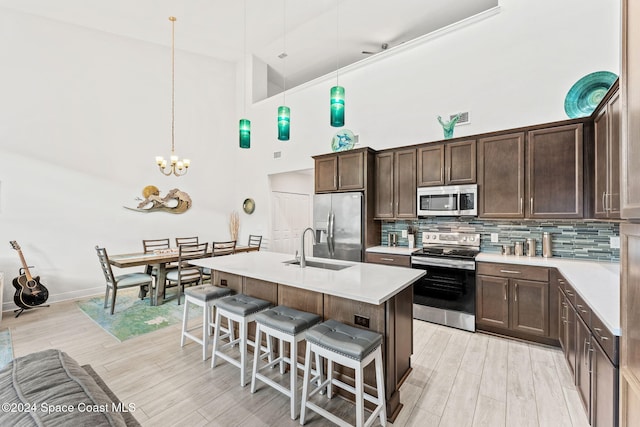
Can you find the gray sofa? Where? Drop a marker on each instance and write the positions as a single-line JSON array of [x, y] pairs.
[[49, 388]]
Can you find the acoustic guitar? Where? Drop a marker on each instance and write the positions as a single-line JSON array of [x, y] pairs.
[[30, 292]]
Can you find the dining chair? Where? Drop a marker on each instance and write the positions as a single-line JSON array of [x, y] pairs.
[[151, 245], [223, 248], [187, 274], [219, 249], [122, 281], [255, 241], [187, 241]]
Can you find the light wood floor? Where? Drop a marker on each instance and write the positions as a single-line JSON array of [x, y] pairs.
[[458, 379]]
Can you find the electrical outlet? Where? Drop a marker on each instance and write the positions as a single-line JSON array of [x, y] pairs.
[[361, 320], [404, 234], [494, 237], [614, 242], [223, 282]]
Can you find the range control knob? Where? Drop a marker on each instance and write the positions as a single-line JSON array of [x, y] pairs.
[[433, 236], [426, 237]]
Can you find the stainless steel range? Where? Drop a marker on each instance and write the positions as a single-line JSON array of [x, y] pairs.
[[447, 293]]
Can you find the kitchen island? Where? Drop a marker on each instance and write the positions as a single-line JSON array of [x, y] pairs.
[[370, 296]]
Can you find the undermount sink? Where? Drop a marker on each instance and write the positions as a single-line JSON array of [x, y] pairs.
[[318, 264]]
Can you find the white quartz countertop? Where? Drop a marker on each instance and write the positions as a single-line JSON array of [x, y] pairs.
[[368, 283], [598, 283], [392, 250]]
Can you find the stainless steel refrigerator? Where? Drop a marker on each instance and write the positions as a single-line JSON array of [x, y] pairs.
[[337, 221]]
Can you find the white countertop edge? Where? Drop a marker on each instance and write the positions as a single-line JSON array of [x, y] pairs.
[[392, 250], [387, 281], [597, 282]]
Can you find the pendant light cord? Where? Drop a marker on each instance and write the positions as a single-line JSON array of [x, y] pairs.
[[244, 64], [337, 41], [284, 47], [173, 26]]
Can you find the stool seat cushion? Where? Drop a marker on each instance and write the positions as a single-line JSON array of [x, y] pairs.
[[287, 320], [207, 292], [346, 340], [242, 305]]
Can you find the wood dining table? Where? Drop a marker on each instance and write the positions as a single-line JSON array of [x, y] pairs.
[[160, 259]]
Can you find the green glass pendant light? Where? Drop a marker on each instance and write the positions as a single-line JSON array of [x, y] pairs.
[[244, 127], [337, 106], [284, 113], [284, 121], [245, 133]]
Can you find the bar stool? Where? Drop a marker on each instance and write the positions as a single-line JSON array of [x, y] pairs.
[[351, 347], [242, 309], [203, 296], [286, 325]]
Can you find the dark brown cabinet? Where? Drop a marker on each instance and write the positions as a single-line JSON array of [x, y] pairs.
[[607, 159], [591, 352], [396, 184], [501, 175], [340, 171], [388, 259], [554, 172], [450, 163], [514, 298]]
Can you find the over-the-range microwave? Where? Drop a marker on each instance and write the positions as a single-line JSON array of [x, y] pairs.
[[448, 200]]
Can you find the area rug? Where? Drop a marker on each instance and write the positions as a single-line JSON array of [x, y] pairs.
[[132, 316], [6, 348]]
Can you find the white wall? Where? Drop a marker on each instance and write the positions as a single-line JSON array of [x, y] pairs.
[[83, 114], [512, 69]]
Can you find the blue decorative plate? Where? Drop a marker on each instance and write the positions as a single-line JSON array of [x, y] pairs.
[[585, 95], [343, 140]]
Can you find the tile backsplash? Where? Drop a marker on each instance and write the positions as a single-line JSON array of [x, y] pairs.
[[581, 239]]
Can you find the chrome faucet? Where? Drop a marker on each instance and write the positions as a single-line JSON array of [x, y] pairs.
[[303, 260]]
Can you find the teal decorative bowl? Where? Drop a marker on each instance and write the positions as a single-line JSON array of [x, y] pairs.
[[585, 95], [343, 140]]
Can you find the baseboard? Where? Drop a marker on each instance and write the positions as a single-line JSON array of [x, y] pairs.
[[60, 297]]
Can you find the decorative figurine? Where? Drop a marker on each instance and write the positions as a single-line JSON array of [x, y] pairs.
[[448, 126]]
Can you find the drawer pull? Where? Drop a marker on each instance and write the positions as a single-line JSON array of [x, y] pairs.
[[515, 294], [597, 331], [505, 291], [568, 292], [510, 272], [387, 259]]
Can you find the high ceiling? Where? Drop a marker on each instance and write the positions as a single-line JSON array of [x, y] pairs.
[[312, 31]]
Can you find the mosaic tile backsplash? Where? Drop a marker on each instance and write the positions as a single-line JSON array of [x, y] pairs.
[[571, 239]]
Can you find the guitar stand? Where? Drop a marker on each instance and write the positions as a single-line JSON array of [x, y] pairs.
[[21, 309]]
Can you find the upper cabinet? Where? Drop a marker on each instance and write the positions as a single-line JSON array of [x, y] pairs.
[[607, 159], [501, 176], [396, 184], [554, 172], [450, 163], [344, 171], [630, 94], [548, 185]]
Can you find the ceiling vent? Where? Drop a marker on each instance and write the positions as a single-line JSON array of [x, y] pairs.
[[465, 118]]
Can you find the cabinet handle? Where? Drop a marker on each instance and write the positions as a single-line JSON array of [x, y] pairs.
[[604, 201], [591, 350], [340, 181], [505, 291], [515, 295], [531, 206], [449, 174], [568, 292], [597, 331], [584, 353], [522, 204], [387, 259], [334, 181], [510, 271], [441, 174]]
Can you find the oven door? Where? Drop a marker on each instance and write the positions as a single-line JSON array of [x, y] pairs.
[[445, 295]]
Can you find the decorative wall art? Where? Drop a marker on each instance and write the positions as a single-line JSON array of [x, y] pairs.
[[234, 225], [175, 202], [343, 140]]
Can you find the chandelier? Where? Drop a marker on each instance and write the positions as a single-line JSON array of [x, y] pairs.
[[176, 166]]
